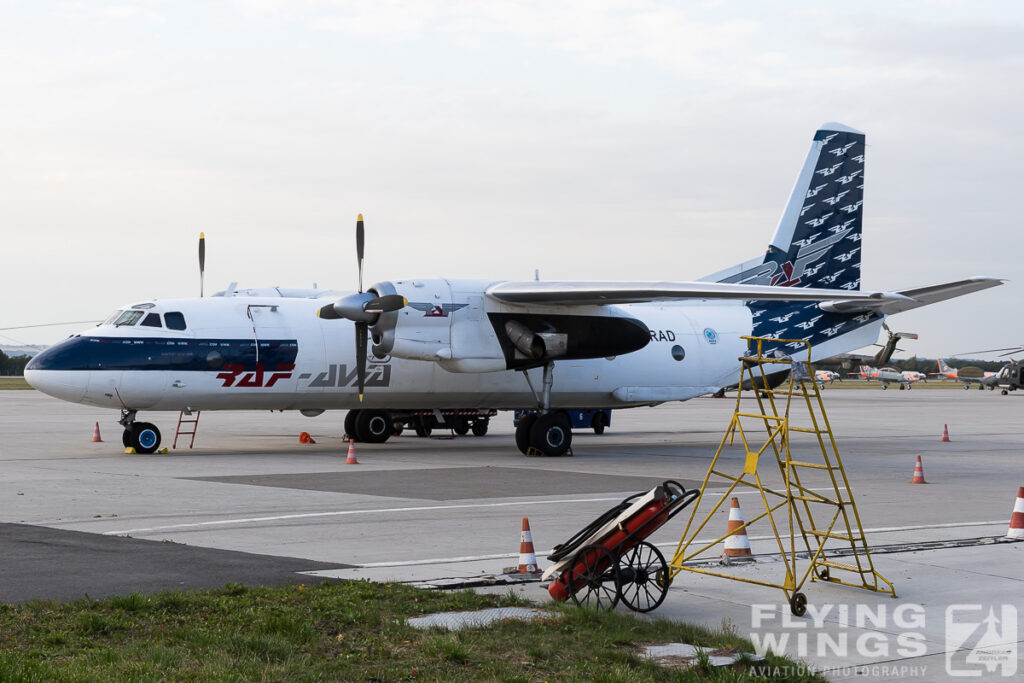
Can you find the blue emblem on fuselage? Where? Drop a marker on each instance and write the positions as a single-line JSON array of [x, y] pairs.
[[710, 335]]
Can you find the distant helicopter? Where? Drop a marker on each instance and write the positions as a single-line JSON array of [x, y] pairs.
[[1008, 378]]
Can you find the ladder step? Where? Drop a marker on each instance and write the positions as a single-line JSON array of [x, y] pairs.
[[812, 465], [844, 566], [831, 534]]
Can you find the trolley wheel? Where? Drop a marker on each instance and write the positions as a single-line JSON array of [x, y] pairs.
[[822, 573], [643, 577], [798, 604], [595, 571]]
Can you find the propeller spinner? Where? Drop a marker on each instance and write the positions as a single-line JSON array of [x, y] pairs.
[[363, 308]]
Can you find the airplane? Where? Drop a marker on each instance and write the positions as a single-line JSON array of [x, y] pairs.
[[988, 379], [823, 377], [884, 375], [408, 346]]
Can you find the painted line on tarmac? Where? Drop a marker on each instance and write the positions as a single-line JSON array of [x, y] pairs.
[[375, 511], [474, 558]]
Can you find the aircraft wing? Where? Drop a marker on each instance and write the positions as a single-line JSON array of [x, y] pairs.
[[913, 298], [603, 293]]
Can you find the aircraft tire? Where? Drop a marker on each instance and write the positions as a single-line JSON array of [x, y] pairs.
[[597, 423], [373, 426], [884, 387], [551, 434], [126, 438], [145, 437], [480, 427], [523, 430], [350, 424], [460, 426], [966, 386]]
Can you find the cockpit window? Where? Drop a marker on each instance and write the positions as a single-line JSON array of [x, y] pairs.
[[128, 318], [113, 316], [174, 320], [151, 320]]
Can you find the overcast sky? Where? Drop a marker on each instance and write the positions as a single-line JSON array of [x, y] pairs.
[[593, 139]]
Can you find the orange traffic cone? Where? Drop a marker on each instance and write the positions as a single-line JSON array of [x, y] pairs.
[[304, 437], [918, 473], [945, 433], [1016, 529], [351, 459], [737, 544], [527, 556], [96, 434]]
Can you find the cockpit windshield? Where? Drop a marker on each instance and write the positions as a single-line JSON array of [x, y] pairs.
[[128, 318]]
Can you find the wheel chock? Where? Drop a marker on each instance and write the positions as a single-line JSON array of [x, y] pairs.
[[163, 451], [130, 451]]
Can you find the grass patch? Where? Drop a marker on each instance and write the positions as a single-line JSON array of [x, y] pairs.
[[352, 630], [13, 383]]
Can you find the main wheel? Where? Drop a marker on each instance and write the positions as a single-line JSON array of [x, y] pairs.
[[966, 386], [350, 424], [885, 386], [424, 426], [480, 426], [597, 423], [595, 576], [373, 426], [460, 425], [550, 434], [643, 577], [523, 430], [145, 437]]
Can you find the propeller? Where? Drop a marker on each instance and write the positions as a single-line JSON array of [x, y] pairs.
[[202, 261], [883, 356], [362, 308]]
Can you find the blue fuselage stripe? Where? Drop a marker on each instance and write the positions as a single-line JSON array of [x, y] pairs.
[[165, 353]]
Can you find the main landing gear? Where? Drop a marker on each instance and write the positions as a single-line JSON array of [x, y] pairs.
[[144, 437], [547, 433]]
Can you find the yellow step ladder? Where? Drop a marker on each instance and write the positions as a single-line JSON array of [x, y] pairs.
[[808, 503]]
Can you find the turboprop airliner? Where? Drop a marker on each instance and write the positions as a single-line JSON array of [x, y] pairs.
[[443, 343]]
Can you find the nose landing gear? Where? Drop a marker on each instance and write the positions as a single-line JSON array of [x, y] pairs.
[[144, 437]]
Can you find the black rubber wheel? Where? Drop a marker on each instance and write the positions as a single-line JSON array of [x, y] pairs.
[[595, 575], [480, 427], [884, 387], [550, 434], [966, 386], [373, 426], [145, 437], [643, 577], [597, 424], [798, 604], [523, 429], [350, 424], [460, 425], [126, 438], [1004, 392], [397, 428], [424, 426]]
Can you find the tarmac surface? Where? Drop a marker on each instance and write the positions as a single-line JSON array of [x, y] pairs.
[[250, 505]]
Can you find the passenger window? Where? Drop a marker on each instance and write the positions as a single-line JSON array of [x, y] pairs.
[[128, 318], [175, 321], [151, 320]]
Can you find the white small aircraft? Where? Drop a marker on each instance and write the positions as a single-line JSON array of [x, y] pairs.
[[457, 344], [988, 379], [823, 377]]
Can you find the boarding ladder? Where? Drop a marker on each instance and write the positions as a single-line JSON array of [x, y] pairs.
[[808, 504], [192, 422]]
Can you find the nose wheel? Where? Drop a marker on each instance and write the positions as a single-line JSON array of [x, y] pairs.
[[144, 437]]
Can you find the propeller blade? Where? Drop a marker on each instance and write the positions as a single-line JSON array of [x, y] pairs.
[[361, 332], [359, 249], [328, 313], [202, 261], [386, 304]]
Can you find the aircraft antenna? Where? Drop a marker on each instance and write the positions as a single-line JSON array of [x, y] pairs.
[[202, 261]]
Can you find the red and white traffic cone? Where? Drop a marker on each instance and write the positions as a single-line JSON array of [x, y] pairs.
[[918, 473], [527, 556], [945, 433], [1016, 529], [737, 544], [351, 459], [96, 434]]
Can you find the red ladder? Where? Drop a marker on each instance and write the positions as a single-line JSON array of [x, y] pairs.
[[184, 432]]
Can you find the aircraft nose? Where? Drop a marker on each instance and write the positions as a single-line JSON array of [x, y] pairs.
[[50, 371]]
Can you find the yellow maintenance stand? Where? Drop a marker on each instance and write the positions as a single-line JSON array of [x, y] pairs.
[[808, 503]]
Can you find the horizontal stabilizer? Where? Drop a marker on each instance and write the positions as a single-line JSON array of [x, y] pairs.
[[602, 293], [912, 298]]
